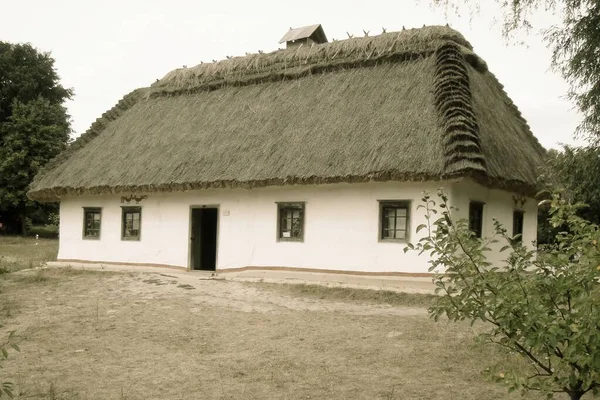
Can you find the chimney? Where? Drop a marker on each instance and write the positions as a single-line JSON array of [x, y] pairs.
[[304, 36]]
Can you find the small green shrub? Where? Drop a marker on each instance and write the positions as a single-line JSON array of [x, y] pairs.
[[544, 308]]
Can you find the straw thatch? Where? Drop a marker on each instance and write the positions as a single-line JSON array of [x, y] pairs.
[[412, 105]]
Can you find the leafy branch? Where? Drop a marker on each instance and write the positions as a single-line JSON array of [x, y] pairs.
[[6, 388], [542, 306]]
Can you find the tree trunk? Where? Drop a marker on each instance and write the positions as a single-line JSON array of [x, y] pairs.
[[575, 395]]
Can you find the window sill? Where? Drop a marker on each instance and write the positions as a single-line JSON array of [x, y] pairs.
[[91, 238], [287, 240], [401, 241], [130, 239]]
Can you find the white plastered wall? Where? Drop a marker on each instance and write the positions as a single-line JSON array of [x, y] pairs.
[[500, 205], [341, 226]]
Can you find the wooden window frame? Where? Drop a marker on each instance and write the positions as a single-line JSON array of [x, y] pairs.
[[293, 205], [129, 210], [521, 215], [478, 233], [91, 210], [405, 204]]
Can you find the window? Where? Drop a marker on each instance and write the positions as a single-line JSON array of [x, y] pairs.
[[92, 218], [131, 223], [394, 217], [518, 217], [290, 221], [476, 218]]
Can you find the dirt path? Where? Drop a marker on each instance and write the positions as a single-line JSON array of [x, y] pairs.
[[248, 298]]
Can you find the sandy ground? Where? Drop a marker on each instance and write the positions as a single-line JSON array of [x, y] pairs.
[[109, 335]]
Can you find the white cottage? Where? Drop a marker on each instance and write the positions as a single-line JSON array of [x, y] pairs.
[[314, 158]]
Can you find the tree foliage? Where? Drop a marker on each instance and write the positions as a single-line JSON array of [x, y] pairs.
[[575, 172], [575, 43], [34, 125], [543, 307]]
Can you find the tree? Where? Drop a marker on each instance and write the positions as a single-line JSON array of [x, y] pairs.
[[575, 45], [575, 172], [34, 125], [543, 308]]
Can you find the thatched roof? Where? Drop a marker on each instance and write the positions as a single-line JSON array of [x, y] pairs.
[[410, 105]]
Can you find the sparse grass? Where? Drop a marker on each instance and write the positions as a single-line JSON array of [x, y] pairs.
[[31, 277], [70, 271], [187, 287], [43, 275], [228, 340], [155, 281], [47, 391], [8, 266], [8, 307], [25, 250], [20, 262], [349, 294]]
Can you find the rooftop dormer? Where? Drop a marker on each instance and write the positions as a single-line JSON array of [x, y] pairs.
[[306, 35]]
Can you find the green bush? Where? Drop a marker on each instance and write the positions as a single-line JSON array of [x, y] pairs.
[[544, 308]]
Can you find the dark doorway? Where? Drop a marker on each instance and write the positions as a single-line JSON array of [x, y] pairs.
[[204, 239]]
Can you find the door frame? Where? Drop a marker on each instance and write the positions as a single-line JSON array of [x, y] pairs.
[[189, 235]]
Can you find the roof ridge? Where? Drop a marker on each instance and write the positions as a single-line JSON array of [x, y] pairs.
[[289, 74], [280, 62], [462, 146]]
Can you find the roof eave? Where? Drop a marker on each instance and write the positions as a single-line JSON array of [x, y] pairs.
[[515, 186]]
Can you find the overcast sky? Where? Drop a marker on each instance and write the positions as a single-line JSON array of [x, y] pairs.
[[105, 49]]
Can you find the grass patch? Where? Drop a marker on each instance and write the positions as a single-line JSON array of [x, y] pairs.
[[44, 231], [8, 307], [350, 294], [154, 281], [48, 274], [248, 343], [39, 276], [70, 271], [186, 286], [8, 266], [27, 249]]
